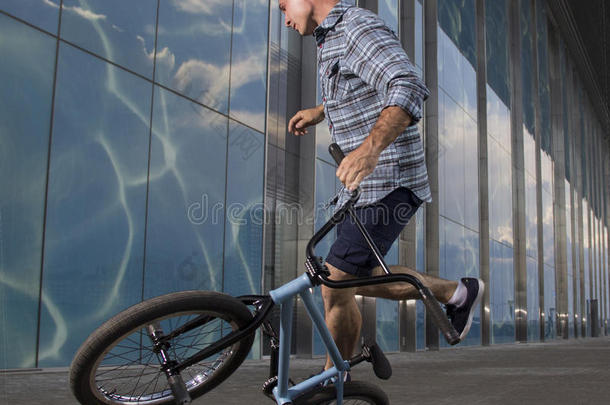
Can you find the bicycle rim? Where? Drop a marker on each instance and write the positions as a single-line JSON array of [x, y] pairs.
[[129, 371]]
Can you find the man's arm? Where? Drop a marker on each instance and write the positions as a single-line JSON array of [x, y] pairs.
[[362, 161], [305, 118], [376, 56]]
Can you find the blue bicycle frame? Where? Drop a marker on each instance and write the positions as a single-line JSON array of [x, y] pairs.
[[316, 274], [283, 296]]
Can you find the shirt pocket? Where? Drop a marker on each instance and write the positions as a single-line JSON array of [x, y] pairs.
[[335, 86]]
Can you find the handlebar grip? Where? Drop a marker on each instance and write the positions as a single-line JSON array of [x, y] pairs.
[[336, 152], [439, 317]]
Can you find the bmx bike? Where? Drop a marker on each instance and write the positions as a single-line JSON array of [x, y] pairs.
[[176, 347]]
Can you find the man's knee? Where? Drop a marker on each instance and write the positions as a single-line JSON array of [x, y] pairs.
[[338, 297]]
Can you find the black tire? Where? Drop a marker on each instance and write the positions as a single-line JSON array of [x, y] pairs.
[[116, 365], [354, 393]]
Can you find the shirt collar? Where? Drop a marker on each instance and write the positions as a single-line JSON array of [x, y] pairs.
[[333, 18]]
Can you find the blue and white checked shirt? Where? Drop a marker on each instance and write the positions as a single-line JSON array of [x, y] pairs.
[[363, 69]]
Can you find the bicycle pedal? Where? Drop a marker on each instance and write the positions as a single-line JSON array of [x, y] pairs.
[[269, 385]]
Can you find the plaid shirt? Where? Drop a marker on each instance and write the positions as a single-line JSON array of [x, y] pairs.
[[363, 69]]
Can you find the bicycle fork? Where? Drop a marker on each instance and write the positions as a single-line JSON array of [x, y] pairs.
[[174, 379]]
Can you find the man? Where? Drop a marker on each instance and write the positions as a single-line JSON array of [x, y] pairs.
[[372, 100]]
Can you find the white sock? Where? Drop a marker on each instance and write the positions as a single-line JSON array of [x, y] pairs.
[[459, 296]]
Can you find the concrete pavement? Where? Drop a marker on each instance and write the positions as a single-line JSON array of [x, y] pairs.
[[559, 372]]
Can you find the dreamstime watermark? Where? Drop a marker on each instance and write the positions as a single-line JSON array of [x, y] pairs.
[[257, 214]]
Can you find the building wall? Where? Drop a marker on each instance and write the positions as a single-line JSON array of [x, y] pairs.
[[144, 150]]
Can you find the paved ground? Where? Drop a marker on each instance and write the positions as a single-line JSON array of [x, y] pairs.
[[562, 372]]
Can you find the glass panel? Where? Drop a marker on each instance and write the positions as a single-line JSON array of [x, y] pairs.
[[459, 257], [533, 301], [457, 19], [326, 185], [186, 204], [388, 11], [96, 201], [451, 159], [471, 263], [420, 324], [587, 278], [249, 62], [245, 211], [501, 288], [323, 140], [419, 35], [41, 13], [457, 55], [544, 90], [529, 151], [193, 42], [531, 217], [500, 193], [527, 71], [118, 30], [548, 238], [471, 174], [570, 272], [550, 320], [496, 38], [387, 324], [26, 88], [420, 243]]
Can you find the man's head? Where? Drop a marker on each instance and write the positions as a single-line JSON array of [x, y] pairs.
[[305, 15]]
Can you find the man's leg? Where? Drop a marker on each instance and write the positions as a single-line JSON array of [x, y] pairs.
[[442, 289], [342, 315]]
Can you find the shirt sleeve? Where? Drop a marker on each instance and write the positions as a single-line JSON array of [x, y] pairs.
[[374, 54]]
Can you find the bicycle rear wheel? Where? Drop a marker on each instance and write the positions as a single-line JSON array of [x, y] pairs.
[[117, 365], [354, 393]]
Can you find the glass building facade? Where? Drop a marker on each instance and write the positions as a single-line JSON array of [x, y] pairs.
[[143, 150]]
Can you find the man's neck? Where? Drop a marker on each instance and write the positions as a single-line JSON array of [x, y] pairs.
[[323, 9]]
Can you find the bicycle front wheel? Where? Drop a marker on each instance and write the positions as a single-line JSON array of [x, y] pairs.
[[116, 365], [354, 393]]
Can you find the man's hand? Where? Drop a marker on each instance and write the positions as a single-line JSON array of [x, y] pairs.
[[362, 161], [357, 165], [304, 119]]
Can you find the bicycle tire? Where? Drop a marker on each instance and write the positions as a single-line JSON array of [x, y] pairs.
[[354, 393], [121, 343]]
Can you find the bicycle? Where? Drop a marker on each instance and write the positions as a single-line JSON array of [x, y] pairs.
[[196, 339]]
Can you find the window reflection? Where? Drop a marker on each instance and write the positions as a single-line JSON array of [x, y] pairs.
[[41, 13], [326, 186], [186, 203], [570, 270], [387, 324], [121, 31], [23, 166], [459, 257], [96, 201], [533, 301], [193, 49], [245, 214], [249, 62], [388, 11], [502, 300], [550, 318]]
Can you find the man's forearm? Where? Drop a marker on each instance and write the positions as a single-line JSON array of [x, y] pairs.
[[320, 109], [392, 122]]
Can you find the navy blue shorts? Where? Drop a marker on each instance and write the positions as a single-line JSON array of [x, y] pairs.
[[383, 220]]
